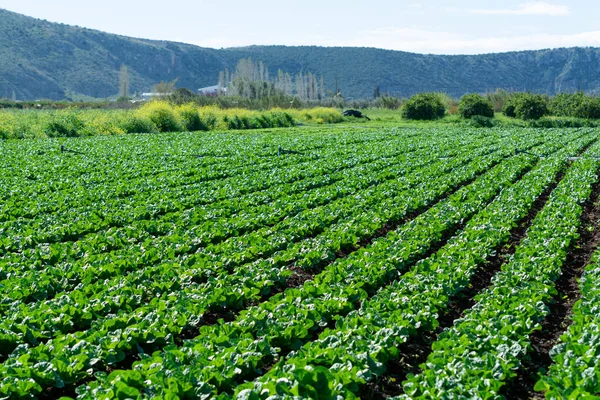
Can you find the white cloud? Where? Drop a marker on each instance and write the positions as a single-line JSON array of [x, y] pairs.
[[426, 40], [534, 8], [438, 42]]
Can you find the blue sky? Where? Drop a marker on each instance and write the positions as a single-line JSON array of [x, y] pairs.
[[440, 27]]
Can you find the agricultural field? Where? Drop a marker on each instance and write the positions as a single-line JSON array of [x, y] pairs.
[[309, 262]]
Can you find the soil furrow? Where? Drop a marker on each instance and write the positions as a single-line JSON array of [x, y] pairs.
[[556, 322], [415, 351]]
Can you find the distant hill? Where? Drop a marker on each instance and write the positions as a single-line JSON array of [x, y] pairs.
[[40, 59]]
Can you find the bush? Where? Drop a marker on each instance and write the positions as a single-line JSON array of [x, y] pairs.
[[531, 106], [64, 123], [563, 122], [565, 104], [280, 119], [7, 122], [190, 118], [510, 104], [423, 106], [182, 96], [475, 104], [589, 108], [162, 116], [133, 123], [320, 115], [526, 106], [576, 105]]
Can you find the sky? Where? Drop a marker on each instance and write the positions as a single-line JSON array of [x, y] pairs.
[[438, 27]]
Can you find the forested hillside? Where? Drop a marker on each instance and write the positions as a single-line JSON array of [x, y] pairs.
[[40, 59]]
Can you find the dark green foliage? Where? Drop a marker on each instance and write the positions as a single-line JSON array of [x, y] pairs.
[[576, 105], [531, 106], [210, 121], [136, 124], [269, 120], [510, 104], [527, 106], [589, 108], [190, 119], [563, 122], [423, 106], [475, 104], [283, 119], [64, 124], [565, 104], [163, 117]]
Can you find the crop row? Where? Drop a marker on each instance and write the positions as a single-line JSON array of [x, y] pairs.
[[70, 223], [224, 355], [210, 222], [575, 372], [181, 246], [68, 358], [52, 177], [107, 296], [188, 173], [362, 343], [483, 349]]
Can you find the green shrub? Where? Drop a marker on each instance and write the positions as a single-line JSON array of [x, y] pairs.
[[64, 123], [589, 108], [209, 120], [137, 124], [318, 114], [531, 106], [7, 123], [281, 119], [260, 121], [182, 96], [475, 104], [527, 106], [510, 104], [162, 116], [190, 118], [423, 106], [237, 122], [565, 104], [576, 105], [563, 122]]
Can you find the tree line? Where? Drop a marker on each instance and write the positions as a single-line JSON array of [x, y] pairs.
[[252, 80]]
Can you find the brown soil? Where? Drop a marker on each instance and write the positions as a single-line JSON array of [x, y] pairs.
[[557, 321], [417, 349]]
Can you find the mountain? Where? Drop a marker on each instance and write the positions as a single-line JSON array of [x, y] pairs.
[[41, 59]]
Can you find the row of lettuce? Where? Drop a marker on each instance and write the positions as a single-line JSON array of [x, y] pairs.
[[575, 373], [499, 326], [357, 351], [80, 304], [152, 117], [282, 330], [190, 193], [139, 299]]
